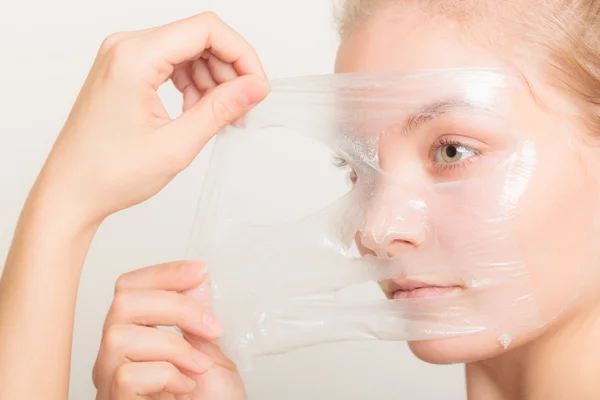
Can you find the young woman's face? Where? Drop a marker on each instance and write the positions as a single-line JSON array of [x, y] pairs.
[[553, 221]]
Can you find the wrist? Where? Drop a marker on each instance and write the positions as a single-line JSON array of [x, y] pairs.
[[55, 211]]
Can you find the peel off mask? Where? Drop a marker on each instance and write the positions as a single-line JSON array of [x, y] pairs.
[[373, 206]]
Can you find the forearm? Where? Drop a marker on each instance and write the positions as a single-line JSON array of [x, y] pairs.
[[38, 291]]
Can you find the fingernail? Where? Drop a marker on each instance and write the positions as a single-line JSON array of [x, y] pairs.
[[203, 361], [194, 268], [209, 321], [202, 293], [202, 268], [253, 93]]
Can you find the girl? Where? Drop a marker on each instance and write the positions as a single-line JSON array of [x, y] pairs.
[[553, 45]]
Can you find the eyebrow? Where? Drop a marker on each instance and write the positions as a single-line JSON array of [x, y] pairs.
[[433, 110]]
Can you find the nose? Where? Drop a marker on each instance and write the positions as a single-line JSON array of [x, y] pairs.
[[394, 224]]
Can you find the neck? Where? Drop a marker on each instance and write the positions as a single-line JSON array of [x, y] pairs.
[[563, 363]]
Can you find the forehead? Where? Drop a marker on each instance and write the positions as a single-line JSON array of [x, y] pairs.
[[410, 98], [406, 40], [411, 94]]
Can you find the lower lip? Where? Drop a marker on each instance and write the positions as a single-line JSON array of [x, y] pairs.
[[427, 292]]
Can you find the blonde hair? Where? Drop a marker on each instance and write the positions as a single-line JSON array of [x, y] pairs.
[[563, 36]]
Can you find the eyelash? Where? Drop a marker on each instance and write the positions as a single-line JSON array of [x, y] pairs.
[[339, 162], [446, 141]]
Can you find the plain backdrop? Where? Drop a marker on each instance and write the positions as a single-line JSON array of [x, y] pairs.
[[47, 49]]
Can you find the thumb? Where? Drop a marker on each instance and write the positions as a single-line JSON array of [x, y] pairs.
[[221, 107]]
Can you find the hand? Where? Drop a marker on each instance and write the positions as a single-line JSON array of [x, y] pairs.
[[138, 361], [119, 147]]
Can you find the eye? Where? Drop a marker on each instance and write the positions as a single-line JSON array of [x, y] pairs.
[[343, 164], [452, 153]]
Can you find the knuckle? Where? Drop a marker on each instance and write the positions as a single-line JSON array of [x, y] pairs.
[[113, 339], [120, 302], [211, 17], [124, 377], [110, 41], [223, 113], [121, 283], [171, 373], [120, 52], [121, 59]]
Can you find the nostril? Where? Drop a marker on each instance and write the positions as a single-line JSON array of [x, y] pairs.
[[383, 254], [399, 247]]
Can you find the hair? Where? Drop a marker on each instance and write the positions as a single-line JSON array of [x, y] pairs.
[[563, 36]]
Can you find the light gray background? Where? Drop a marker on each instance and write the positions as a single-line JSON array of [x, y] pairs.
[[47, 48]]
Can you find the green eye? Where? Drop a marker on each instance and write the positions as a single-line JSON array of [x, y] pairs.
[[450, 153]]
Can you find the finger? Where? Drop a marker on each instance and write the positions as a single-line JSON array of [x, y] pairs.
[[182, 80], [191, 97], [220, 71], [211, 350], [162, 308], [185, 137], [202, 77], [176, 276], [133, 343], [201, 293], [187, 39], [194, 73], [139, 380]]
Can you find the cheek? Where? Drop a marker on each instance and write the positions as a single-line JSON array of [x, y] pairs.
[[555, 222]]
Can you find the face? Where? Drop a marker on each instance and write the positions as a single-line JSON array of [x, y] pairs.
[[552, 235]]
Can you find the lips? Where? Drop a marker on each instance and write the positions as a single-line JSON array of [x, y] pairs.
[[411, 288]]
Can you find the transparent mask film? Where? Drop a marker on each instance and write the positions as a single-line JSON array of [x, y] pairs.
[[327, 208]]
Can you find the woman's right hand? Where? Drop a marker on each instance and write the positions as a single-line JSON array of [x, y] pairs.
[[119, 146], [139, 361]]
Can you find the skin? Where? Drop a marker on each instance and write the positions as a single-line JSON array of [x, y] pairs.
[[138, 361], [558, 257], [117, 149]]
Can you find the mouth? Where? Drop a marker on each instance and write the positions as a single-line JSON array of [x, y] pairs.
[[412, 289]]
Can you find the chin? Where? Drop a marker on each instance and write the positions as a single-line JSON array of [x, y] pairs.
[[463, 349]]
